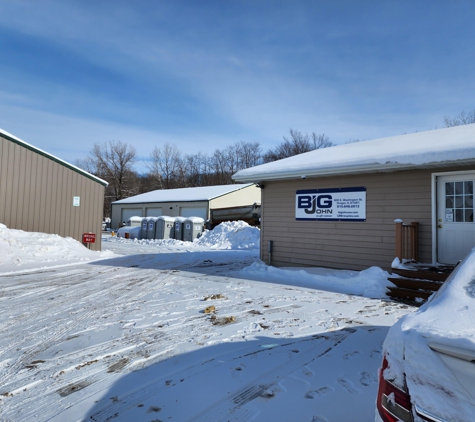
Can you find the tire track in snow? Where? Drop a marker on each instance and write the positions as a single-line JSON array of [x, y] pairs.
[[76, 317], [234, 405], [93, 368]]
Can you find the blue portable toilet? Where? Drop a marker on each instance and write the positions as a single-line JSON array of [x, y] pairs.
[[143, 231], [152, 223], [179, 227]]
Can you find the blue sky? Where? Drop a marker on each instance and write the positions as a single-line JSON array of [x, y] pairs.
[[204, 74]]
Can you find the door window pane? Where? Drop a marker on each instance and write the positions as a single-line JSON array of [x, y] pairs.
[[468, 188], [469, 201], [449, 188], [459, 201], [469, 216]]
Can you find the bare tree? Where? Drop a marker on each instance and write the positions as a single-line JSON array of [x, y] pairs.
[[219, 162], [164, 165], [112, 161], [462, 119], [297, 144], [249, 154], [321, 141]]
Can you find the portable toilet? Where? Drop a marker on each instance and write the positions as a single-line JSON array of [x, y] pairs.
[[192, 228], [152, 225], [165, 227], [134, 221], [143, 232], [179, 227]]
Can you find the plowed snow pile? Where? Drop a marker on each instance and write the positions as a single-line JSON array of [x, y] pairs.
[[34, 250], [231, 235]]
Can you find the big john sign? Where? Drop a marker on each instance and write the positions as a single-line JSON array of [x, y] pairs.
[[340, 204]]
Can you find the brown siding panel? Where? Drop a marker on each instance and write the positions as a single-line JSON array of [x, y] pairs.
[[36, 194], [348, 245], [16, 186]]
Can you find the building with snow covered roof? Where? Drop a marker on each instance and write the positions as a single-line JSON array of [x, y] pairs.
[[42, 193], [336, 207], [185, 202]]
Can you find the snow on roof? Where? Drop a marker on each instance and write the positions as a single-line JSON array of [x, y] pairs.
[[435, 148], [204, 193], [19, 141]]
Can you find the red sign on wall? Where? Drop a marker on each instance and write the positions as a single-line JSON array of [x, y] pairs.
[[89, 238]]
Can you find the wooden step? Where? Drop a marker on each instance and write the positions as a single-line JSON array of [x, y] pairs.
[[423, 274], [401, 293], [416, 284]]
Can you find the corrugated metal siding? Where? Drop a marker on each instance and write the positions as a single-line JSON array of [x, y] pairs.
[[347, 245], [36, 194]]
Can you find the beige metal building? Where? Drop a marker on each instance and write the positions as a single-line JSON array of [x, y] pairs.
[[338, 207], [41, 193], [185, 202]]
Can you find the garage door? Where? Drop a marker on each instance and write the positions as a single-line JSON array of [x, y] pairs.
[[130, 212], [154, 212], [194, 212]]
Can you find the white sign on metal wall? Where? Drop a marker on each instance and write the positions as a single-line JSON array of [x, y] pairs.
[[338, 204]]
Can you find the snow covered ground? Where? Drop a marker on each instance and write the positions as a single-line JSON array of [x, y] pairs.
[[168, 330]]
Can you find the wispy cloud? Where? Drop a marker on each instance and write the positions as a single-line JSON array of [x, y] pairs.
[[148, 72]]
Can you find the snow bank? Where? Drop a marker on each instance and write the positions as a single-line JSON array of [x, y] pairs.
[[231, 235], [26, 250], [370, 283]]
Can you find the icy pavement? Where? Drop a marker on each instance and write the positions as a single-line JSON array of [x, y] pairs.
[[127, 338]]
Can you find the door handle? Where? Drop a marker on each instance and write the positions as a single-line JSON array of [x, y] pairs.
[[439, 226]]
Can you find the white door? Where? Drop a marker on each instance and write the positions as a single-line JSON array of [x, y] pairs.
[[154, 212], [455, 226], [130, 212], [193, 212]]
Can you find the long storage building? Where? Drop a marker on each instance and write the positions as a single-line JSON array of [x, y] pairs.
[[42, 193], [185, 202]]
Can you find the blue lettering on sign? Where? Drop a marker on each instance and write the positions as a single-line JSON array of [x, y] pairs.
[[305, 201], [324, 201], [312, 204]]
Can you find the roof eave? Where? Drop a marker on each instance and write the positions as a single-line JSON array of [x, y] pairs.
[[339, 171]]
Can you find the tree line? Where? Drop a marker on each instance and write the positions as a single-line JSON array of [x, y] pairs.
[[168, 168]]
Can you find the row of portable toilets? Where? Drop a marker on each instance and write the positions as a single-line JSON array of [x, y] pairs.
[[164, 227]]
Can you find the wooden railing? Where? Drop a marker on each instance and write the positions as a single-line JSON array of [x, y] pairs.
[[407, 241]]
